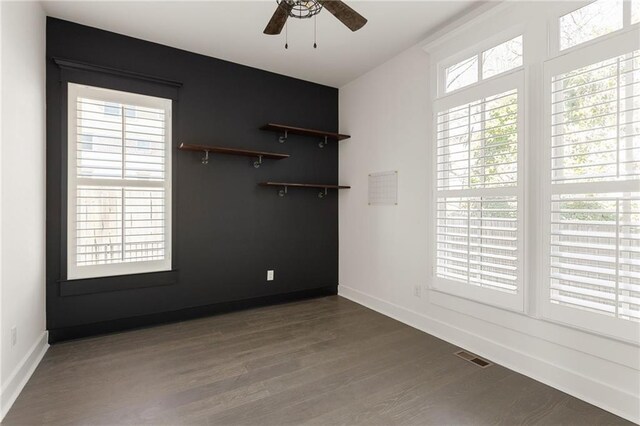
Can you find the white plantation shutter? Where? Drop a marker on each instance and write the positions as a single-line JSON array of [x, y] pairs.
[[477, 241], [478, 144], [98, 219], [593, 254], [119, 183], [595, 119], [478, 212]]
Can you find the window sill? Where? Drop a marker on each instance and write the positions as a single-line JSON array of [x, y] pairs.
[[117, 283]]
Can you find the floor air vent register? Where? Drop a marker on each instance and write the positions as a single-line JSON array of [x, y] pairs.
[[467, 356]]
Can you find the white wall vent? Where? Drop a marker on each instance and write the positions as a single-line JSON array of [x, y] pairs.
[[383, 188]]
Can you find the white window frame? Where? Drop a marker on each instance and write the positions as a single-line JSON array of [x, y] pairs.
[[565, 9], [589, 53], [513, 79], [122, 268], [540, 29], [477, 51]]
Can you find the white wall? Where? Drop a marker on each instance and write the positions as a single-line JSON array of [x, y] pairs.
[[22, 195], [384, 250]]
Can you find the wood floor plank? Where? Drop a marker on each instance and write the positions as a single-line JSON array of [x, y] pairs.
[[324, 361]]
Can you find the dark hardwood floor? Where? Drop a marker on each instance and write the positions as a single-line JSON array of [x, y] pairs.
[[322, 361]]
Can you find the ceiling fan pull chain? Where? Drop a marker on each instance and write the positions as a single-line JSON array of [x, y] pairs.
[[286, 35], [315, 31]]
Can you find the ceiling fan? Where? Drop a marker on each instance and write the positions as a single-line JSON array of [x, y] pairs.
[[302, 9]]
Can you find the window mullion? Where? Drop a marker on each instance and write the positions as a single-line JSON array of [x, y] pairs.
[[122, 222], [123, 190], [626, 13], [122, 139], [483, 107], [469, 134], [618, 118], [468, 241], [90, 181], [617, 256]]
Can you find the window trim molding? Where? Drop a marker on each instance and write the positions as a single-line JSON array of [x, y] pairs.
[[70, 64], [537, 25], [82, 286], [124, 268]]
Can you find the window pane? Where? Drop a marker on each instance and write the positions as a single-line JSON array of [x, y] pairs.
[[635, 11], [477, 144], [477, 241], [595, 253], [462, 74], [594, 20], [596, 122], [501, 58]]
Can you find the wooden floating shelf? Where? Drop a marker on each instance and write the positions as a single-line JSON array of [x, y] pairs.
[[232, 151], [285, 130], [304, 185], [286, 185]]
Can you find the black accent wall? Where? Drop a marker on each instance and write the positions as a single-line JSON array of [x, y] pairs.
[[227, 231]]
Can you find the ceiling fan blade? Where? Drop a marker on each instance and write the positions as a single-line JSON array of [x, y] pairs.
[[279, 18], [352, 19]]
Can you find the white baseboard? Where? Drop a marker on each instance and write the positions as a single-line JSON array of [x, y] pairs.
[[22, 373], [600, 394]]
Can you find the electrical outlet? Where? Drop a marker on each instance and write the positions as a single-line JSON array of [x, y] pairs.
[[417, 290], [270, 274], [14, 335]]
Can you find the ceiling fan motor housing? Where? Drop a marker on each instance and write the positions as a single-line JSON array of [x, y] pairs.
[[302, 9]]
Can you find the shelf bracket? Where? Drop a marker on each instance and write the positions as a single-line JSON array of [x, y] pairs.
[[283, 138], [323, 194], [283, 191], [323, 143], [205, 159], [258, 162]]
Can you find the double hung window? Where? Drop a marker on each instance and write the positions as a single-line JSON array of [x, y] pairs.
[[119, 183]]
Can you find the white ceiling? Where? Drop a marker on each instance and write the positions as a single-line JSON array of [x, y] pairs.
[[232, 30]]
